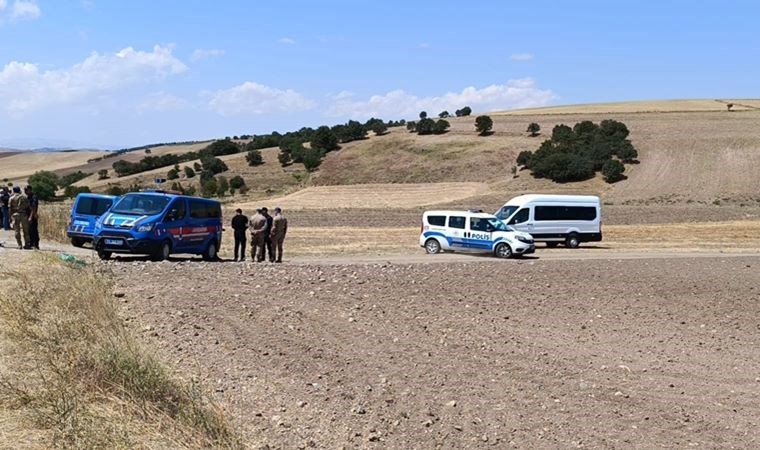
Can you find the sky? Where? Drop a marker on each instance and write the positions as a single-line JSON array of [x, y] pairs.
[[114, 74]]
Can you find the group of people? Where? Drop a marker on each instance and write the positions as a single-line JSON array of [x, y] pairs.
[[267, 234], [20, 209]]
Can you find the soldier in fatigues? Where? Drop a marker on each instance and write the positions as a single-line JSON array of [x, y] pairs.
[[258, 228], [32, 215], [279, 229], [19, 205], [267, 236]]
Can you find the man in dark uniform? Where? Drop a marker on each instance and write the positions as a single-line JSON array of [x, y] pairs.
[[267, 236], [34, 232], [5, 197], [240, 225]]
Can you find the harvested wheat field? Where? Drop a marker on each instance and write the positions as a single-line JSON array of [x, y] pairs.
[[18, 166]]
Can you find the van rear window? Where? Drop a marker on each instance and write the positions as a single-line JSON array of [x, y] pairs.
[[90, 206], [456, 222], [204, 210], [565, 213], [437, 221]]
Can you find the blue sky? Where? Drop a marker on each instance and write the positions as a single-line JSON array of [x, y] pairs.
[[113, 73]]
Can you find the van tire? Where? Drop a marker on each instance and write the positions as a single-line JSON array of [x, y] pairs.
[[573, 241], [77, 242], [104, 255], [552, 244], [432, 246], [163, 252], [503, 251], [210, 253]]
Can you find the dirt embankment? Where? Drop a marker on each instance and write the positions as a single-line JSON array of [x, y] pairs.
[[534, 353]]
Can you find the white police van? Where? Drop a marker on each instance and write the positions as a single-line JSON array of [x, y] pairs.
[[472, 231], [555, 219]]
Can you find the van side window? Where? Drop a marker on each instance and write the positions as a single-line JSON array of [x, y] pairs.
[[477, 224], [565, 213], [204, 210], [179, 205], [457, 222], [437, 221], [520, 217]]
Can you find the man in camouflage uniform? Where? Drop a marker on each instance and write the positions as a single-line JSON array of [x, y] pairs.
[[258, 226], [19, 207], [279, 229], [32, 215]]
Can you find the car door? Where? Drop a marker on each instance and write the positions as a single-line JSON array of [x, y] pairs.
[[521, 220], [174, 221], [478, 234], [456, 231]]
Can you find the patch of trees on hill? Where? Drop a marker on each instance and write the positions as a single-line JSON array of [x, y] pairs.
[[45, 183], [576, 154]]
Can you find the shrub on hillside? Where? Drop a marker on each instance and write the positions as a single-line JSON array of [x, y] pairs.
[[324, 139], [466, 111], [483, 125], [103, 174], [44, 184], [115, 189], [312, 158], [254, 158], [613, 171], [209, 187], [72, 178], [411, 126], [237, 182], [72, 191], [189, 172], [574, 154], [533, 129], [441, 126], [425, 126], [222, 186], [443, 114]]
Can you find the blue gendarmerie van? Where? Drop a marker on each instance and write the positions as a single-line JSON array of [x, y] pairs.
[[84, 213], [160, 223]]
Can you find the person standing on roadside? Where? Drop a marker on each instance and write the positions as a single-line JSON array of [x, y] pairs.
[[32, 214], [258, 226], [279, 229], [240, 224], [268, 235], [19, 205], [5, 197]]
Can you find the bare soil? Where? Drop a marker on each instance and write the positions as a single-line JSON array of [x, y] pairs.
[[482, 353]]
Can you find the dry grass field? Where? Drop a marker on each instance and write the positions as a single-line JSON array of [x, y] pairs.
[[696, 105], [18, 166]]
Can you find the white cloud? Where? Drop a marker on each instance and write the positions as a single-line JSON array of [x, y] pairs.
[[161, 101], [521, 93], [254, 98], [25, 10], [286, 40], [24, 88], [3, 5], [522, 57], [200, 54]]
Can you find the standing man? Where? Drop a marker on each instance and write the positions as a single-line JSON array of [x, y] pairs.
[[5, 197], [240, 224], [268, 235], [34, 232], [19, 205], [258, 226], [279, 229]]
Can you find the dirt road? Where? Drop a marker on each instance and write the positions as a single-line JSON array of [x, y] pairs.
[[468, 352]]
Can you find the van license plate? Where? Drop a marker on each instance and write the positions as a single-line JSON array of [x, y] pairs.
[[114, 241]]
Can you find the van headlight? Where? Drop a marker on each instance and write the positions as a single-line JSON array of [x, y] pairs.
[[144, 228], [524, 239]]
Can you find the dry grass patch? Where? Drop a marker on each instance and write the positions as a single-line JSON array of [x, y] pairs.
[[77, 378]]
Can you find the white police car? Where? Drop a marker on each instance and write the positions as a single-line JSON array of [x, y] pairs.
[[472, 231]]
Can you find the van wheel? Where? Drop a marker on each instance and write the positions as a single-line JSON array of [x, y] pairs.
[[210, 253], [163, 252], [573, 241], [432, 246], [104, 255], [76, 242], [552, 244], [503, 251]]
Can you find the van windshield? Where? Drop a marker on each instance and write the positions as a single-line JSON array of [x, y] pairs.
[[498, 225], [141, 204], [505, 212]]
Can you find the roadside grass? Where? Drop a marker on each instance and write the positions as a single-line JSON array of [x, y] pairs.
[[54, 221], [75, 377]]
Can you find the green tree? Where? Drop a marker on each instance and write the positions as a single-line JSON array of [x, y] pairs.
[[222, 186], [533, 129], [443, 114], [284, 157], [379, 128], [103, 174], [324, 139], [72, 178], [425, 126], [613, 170], [209, 187], [466, 111], [312, 158], [423, 115], [173, 173], [440, 126], [72, 191], [44, 184], [189, 172], [115, 189], [483, 125], [254, 157], [524, 158], [237, 182], [411, 126]]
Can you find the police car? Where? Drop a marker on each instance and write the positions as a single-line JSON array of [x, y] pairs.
[[160, 223], [472, 231]]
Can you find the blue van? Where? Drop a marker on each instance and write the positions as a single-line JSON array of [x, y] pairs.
[[85, 211], [158, 223]]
